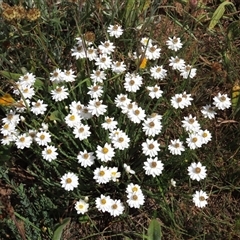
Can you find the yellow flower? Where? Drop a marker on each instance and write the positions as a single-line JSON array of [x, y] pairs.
[[7, 100], [143, 63]]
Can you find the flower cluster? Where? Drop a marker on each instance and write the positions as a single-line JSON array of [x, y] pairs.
[[85, 117]]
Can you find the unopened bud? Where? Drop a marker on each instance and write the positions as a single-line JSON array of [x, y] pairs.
[[193, 3]]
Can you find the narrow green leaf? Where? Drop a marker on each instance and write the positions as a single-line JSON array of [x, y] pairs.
[[59, 229], [9, 75], [217, 15], [154, 230]]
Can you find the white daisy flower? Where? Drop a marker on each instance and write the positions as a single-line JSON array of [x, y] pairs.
[[43, 138], [194, 141], [158, 72], [151, 127], [118, 67], [153, 167], [69, 181], [91, 53], [79, 51], [7, 129], [12, 118], [176, 147], [147, 42], [98, 76], [136, 115], [188, 72], [208, 111], [121, 100], [23, 141], [109, 124], [102, 175], [200, 199], [96, 107], [115, 30], [49, 153], [86, 159], [196, 171], [155, 92], [176, 63], [222, 101], [95, 91], [135, 200], [81, 131], [116, 208], [114, 174], [174, 43], [76, 107], [68, 75], [190, 124], [27, 91], [133, 188], [81, 206], [152, 52], [27, 79], [132, 82], [105, 153], [103, 203], [106, 47], [150, 148], [103, 62], [206, 136], [72, 119], [59, 93], [38, 107], [56, 76], [120, 141]]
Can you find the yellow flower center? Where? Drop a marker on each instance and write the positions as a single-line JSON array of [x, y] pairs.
[[201, 198], [72, 118], [81, 129], [135, 197], [105, 150], [131, 82], [153, 164], [204, 134], [85, 155], [121, 139], [49, 151], [177, 145], [68, 180], [194, 139], [179, 100], [134, 189], [114, 206], [151, 146], [197, 170], [101, 173], [42, 137]]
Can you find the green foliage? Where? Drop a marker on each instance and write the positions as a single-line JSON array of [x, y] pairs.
[[154, 230], [218, 14], [59, 229]]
